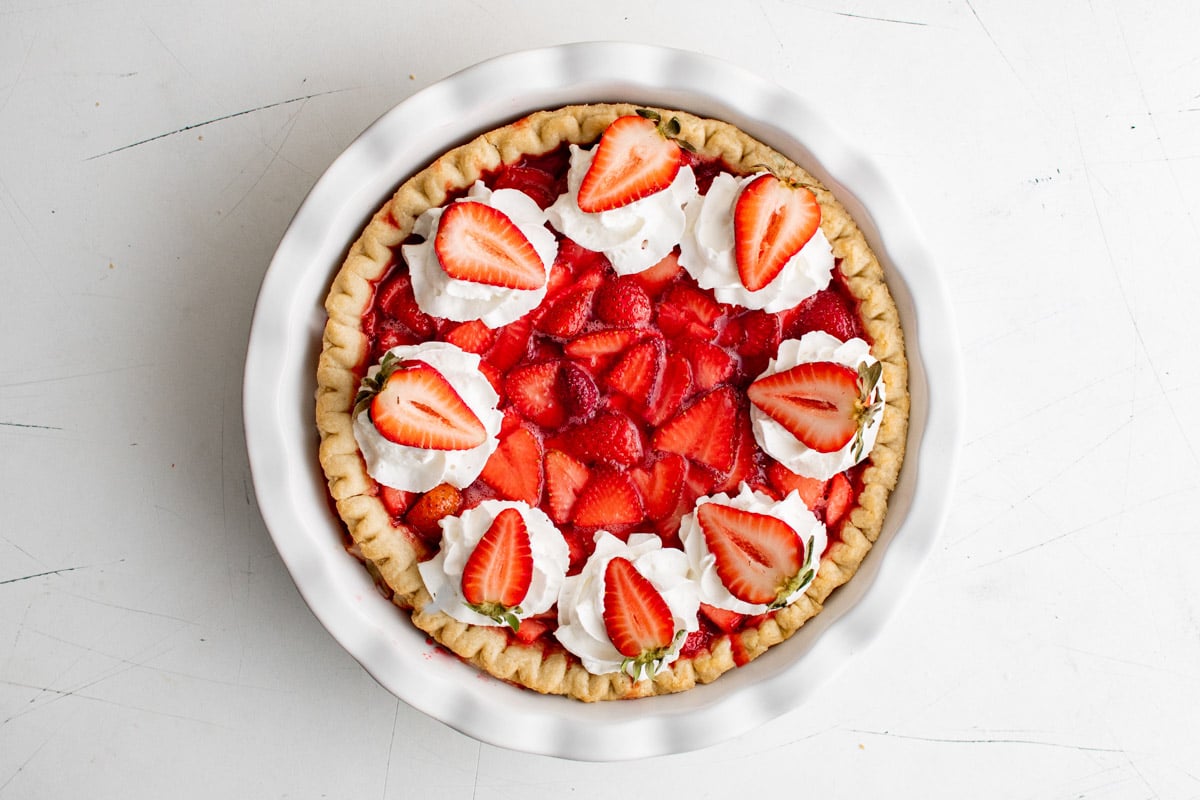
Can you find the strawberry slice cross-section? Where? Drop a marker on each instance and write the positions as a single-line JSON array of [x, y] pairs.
[[772, 221], [636, 617], [759, 558], [478, 243], [499, 571], [413, 404], [823, 404], [635, 158]]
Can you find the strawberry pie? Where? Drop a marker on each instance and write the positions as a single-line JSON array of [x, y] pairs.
[[611, 399]]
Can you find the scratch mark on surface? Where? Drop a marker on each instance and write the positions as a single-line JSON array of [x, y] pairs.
[[387, 773], [195, 125], [1033, 742], [26, 425], [882, 19], [73, 376], [42, 574]]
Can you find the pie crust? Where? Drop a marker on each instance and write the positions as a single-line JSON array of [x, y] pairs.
[[392, 555]]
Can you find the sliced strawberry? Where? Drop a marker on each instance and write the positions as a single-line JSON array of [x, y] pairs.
[[711, 365], [759, 558], [565, 476], [481, 244], [514, 470], [722, 619], [511, 345], [675, 386], [412, 404], [841, 494], [580, 395], [817, 402], [784, 482], [823, 311], [661, 485], [758, 335], [499, 570], [706, 431], [609, 500], [744, 468], [611, 436], [395, 501], [623, 301], [657, 277], [686, 311], [390, 333], [636, 617], [634, 159], [533, 627], [567, 315], [473, 336], [772, 221], [534, 390], [541, 186], [396, 300], [596, 350], [439, 502], [637, 372]]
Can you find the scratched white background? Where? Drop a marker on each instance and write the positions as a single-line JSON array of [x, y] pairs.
[[152, 154]]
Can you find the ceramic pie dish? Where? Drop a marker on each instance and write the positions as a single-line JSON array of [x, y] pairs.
[[276, 376]]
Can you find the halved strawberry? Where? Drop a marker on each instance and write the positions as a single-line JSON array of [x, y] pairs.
[[609, 500], [759, 558], [841, 494], [686, 311], [481, 244], [784, 482], [675, 386], [514, 470], [499, 570], [661, 484], [565, 476], [611, 436], [623, 301], [823, 404], [595, 350], [413, 404], [567, 315], [636, 617], [635, 158], [473, 336], [772, 221], [430, 508], [578, 390], [711, 364], [511, 344], [533, 390], [744, 468], [706, 431], [637, 372]]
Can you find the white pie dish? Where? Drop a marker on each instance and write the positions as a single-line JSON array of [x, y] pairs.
[[282, 440]]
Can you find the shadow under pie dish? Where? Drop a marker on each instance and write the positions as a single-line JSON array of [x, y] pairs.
[[634, 404]]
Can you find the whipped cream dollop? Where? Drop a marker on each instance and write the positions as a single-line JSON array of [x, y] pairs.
[[785, 448], [791, 510], [443, 573], [581, 601], [416, 469], [634, 237], [706, 251], [450, 298]]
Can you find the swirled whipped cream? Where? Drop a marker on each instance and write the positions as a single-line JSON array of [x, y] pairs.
[[415, 469], [790, 510], [779, 443], [706, 251], [581, 601], [634, 237], [443, 573], [450, 298]]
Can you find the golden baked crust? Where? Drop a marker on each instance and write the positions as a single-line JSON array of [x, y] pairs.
[[392, 555]]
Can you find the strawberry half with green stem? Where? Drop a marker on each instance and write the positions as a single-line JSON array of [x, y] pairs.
[[823, 404], [759, 558], [637, 618], [636, 157], [481, 244], [413, 404], [772, 221], [499, 570]]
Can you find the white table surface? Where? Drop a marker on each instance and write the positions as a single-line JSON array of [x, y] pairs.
[[151, 155]]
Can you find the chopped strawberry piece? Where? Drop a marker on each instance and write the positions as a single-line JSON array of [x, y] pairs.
[[623, 302], [706, 431], [661, 485], [772, 221], [480, 244], [499, 571], [514, 470], [395, 501], [439, 502], [396, 300], [722, 619], [634, 159], [636, 617], [611, 436], [758, 557], [815, 402], [565, 476], [609, 500], [534, 390], [417, 407], [473, 336], [823, 311], [675, 386], [637, 372], [784, 482], [657, 277], [841, 495], [596, 350], [567, 315], [711, 365]]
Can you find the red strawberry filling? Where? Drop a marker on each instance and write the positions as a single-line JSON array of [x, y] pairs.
[[625, 398]]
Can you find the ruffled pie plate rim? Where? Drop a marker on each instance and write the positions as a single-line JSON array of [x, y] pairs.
[[282, 442]]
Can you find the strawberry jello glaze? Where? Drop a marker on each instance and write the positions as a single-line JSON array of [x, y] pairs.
[[611, 399]]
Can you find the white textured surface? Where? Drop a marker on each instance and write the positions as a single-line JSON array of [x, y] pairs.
[[151, 156]]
